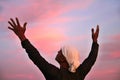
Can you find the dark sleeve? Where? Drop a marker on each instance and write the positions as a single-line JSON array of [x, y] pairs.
[[38, 60], [90, 60]]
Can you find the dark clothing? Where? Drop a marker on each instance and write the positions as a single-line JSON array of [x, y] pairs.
[[51, 72]]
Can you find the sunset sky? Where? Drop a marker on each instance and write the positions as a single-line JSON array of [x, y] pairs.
[[54, 23]]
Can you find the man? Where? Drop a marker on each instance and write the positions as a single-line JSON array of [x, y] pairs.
[[67, 57]]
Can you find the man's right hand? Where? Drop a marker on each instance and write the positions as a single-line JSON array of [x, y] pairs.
[[17, 28], [95, 34]]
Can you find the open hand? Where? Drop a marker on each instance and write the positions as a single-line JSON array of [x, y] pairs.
[[17, 28], [95, 34]]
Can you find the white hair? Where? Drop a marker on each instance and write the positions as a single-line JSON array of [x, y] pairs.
[[72, 56]]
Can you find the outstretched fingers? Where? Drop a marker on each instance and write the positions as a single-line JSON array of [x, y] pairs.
[[12, 23]]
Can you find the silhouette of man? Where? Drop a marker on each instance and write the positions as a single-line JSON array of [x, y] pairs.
[[67, 57]]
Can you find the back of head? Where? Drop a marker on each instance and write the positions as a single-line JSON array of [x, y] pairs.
[[72, 56]]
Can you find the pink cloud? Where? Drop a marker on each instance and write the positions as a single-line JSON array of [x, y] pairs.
[[103, 74], [80, 4], [110, 53], [111, 47], [19, 76], [31, 11], [115, 37], [115, 55], [46, 38], [1, 18], [59, 20], [52, 9], [41, 10], [50, 39]]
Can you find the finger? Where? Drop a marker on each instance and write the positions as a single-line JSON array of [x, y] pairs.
[[10, 28], [92, 31], [25, 25], [17, 21], [13, 22], [97, 29], [10, 23]]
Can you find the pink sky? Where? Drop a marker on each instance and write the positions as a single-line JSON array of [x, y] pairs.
[[52, 24]]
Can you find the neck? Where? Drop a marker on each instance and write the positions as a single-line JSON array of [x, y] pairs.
[[64, 66]]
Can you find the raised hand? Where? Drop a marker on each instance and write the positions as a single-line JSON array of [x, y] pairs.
[[95, 34], [17, 28]]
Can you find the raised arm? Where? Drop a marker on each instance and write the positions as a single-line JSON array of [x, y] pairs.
[[90, 60], [39, 61]]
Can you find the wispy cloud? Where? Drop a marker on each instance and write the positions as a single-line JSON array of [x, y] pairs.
[[102, 74], [19, 77], [111, 48], [47, 38]]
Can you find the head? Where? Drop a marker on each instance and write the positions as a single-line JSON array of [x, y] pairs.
[[68, 57], [60, 58]]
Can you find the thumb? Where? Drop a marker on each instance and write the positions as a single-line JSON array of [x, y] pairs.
[[24, 26], [92, 31]]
